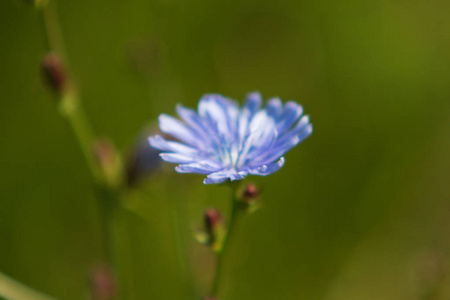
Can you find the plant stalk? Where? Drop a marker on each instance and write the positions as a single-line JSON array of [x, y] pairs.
[[223, 253]]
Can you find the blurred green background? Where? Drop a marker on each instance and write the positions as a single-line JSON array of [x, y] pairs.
[[361, 210]]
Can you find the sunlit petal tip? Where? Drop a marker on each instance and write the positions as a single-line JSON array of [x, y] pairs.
[[295, 107], [253, 101], [176, 158], [157, 142]]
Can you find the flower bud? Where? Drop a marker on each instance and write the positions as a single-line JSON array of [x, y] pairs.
[[250, 193], [54, 73], [250, 197], [213, 221], [209, 298], [110, 161], [102, 283], [214, 231]]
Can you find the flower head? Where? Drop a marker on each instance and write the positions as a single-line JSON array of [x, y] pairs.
[[223, 141]]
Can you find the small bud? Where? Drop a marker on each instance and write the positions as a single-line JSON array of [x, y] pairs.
[[214, 230], [250, 197], [213, 221], [109, 161], [102, 284], [54, 73], [250, 193]]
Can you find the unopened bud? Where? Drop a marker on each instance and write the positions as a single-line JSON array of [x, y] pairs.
[[209, 298], [214, 232], [54, 73], [213, 220], [102, 284], [251, 192], [109, 160], [250, 197]]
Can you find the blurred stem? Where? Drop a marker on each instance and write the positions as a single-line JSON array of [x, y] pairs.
[[223, 252], [72, 110], [179, 225], [52, 31], [70, 104], [108, 201], [14, 290]]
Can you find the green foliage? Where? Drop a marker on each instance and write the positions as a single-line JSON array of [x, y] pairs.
[[349, 216]]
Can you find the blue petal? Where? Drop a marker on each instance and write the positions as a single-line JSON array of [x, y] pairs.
[[263, 134], [252, 104], [217, 177], [292, 111], [238, 175], [160, 143], [192, 119], [178, 130], [298, 129], [177, 158], [221, 176], [201, 167], [220, 114], [274, 108], [281, 149], [265, 170]]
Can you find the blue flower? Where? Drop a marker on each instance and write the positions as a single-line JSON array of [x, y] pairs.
[[224, 141]]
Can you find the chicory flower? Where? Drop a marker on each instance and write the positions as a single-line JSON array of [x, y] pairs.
[[223, 141]]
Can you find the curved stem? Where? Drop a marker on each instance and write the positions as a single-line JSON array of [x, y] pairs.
[[223, 252], [74, 113], [14, 290], [71, 109], [69, 103]]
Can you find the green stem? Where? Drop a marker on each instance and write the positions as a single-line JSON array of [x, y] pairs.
[[72, 110], [70, 104], [74, 113], [14, 290], [179, 226], [224, 250], [107, 206]]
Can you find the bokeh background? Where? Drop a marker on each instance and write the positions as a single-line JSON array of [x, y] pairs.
[[361, 210]]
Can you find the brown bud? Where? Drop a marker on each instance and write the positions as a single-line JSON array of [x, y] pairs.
[[250, 193], [104, 151], [109, 161], [54, 73], [103, 285], [213, 220]]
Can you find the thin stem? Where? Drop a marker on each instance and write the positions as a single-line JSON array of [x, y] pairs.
[[224, 250], [52, 32], [72, 110], [70, 104], [179, 227], [14, 290]]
